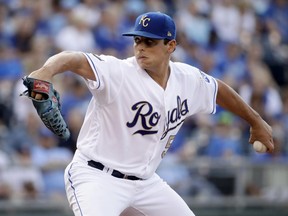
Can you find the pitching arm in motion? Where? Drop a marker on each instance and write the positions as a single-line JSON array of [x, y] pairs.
[[231, 101]]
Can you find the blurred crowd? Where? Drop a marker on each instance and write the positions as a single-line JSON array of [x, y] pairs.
[[244, 43]]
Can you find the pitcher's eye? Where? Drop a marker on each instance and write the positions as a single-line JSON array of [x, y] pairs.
[[147, 41], [150, 42], [137, 40]]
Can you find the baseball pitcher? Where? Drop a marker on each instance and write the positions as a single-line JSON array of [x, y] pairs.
[[137, 108]]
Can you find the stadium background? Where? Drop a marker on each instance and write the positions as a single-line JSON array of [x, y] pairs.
[[210, 164]]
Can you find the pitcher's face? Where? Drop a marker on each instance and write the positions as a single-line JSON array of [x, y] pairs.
[[150, 53]]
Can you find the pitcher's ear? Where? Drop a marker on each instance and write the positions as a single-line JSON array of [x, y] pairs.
[[172, 45]]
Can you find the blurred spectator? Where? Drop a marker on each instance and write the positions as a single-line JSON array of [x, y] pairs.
[[108, 33], [274, 37], [57, 18], [24, 135], [132, 9], [233, 65], [262, 94], [5, 191], [5, 160], [5, 112], [193, 23], [247, 23], [157, 5], [4, 131], [6, 26], [226, 20], [75, 95], [187, 51], [21, 178], [24, 32], [259, 6], [90, 9], [24, 179], [276, 18], [209, 65], [51, 160], [76, 36], [284, 118], [225, 140], [11, 67], [42, 48]]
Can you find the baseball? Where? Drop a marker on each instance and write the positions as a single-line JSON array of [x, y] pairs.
[[259, 147]]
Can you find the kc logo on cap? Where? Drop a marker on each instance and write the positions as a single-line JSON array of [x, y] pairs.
[[144, 20]]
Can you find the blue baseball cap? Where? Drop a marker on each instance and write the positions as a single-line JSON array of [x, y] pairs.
[[154, 25]]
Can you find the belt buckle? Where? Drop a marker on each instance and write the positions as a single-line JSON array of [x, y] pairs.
[[125, 176]]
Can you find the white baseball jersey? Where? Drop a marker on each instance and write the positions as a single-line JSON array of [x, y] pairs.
[[131, 121]]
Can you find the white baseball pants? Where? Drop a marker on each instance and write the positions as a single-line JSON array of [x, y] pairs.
[[92, 192]]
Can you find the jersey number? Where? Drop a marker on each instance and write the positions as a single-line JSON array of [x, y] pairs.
[[168, 145]]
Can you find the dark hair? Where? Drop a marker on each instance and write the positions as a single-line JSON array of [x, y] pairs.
[[166, 41]]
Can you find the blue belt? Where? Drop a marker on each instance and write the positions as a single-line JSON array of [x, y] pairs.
[[114, 173]]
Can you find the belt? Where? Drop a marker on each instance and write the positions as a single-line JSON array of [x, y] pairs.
[[114, 173]]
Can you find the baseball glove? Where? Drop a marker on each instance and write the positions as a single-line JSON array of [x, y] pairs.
[[48, 108]]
